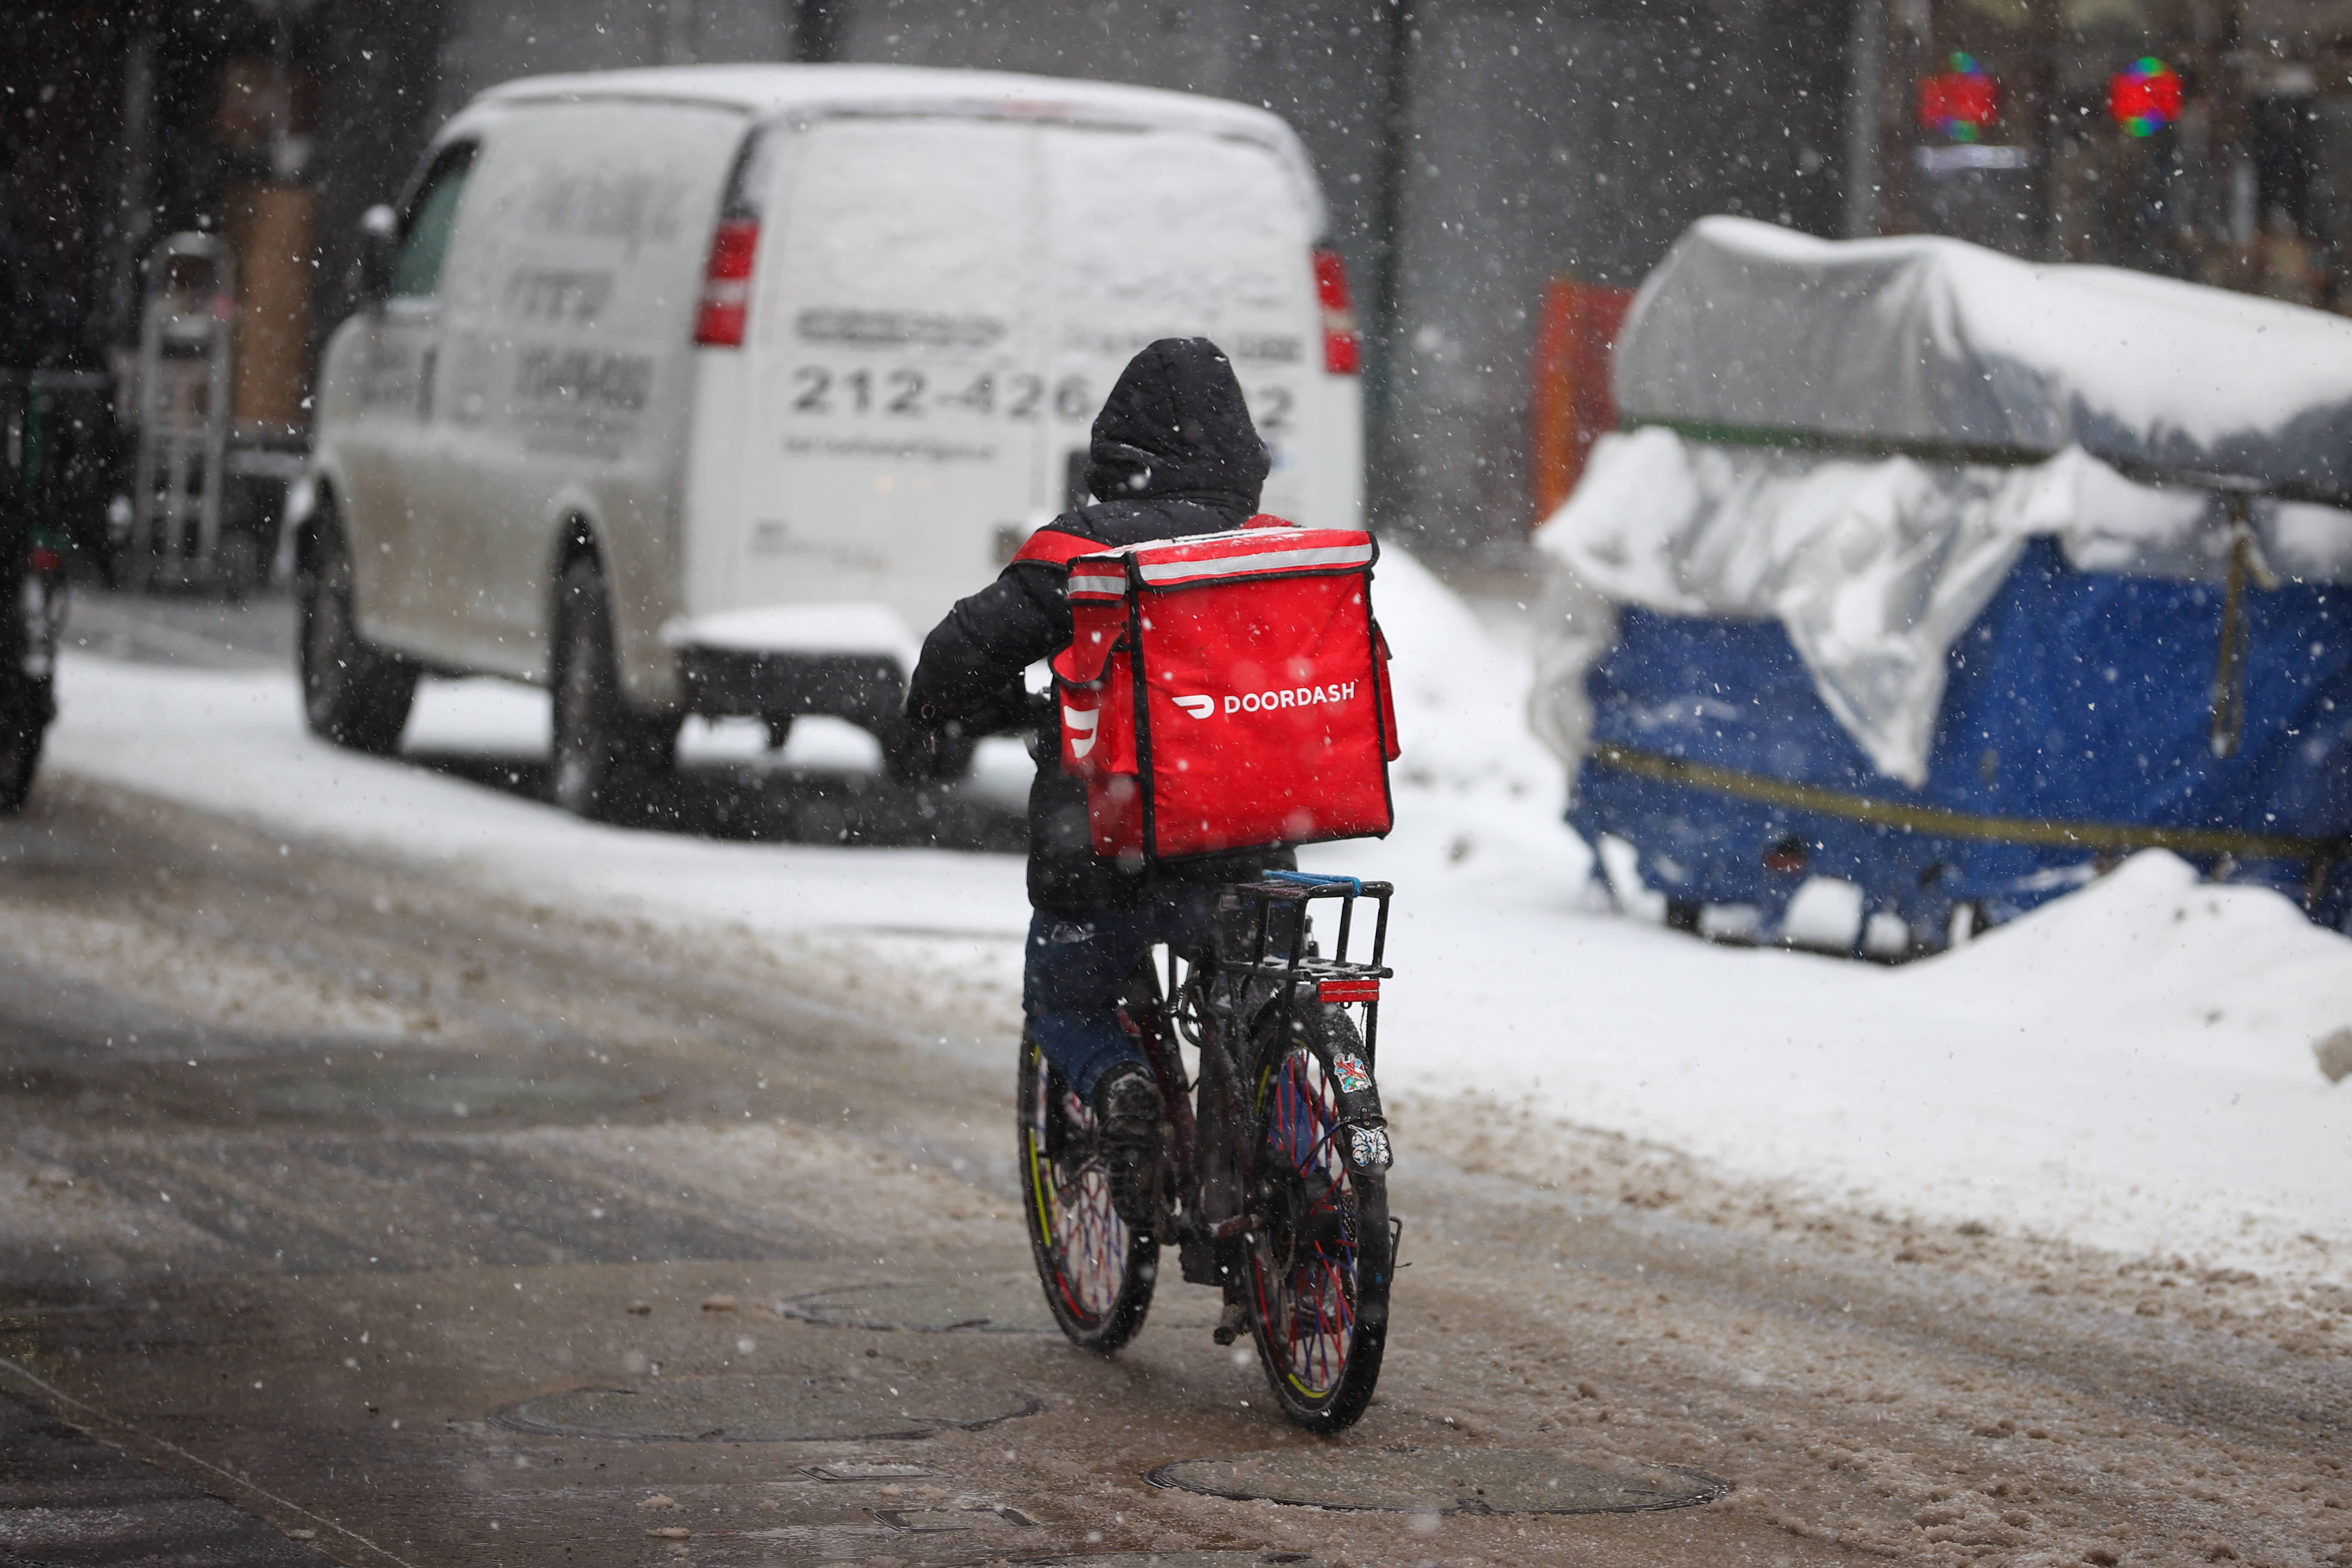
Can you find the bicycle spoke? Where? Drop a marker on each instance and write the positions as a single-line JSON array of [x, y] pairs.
[[1093, 1255], [1085, 1252]]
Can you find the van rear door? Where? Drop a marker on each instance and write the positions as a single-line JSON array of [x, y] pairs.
[[940, 305], [897, 395], [1178, 233]]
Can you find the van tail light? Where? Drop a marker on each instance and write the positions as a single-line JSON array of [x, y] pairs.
[[727, 285], [1343, 346]]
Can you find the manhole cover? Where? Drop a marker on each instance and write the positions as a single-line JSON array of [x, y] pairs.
[[940, 1520], [1438, 1480], [867, 1471], [985, 1306], [763, 1410]]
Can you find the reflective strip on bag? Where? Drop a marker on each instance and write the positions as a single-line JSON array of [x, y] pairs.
[[1156, 573]]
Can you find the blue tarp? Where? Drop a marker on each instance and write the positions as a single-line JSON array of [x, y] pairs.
[[2073, 697]]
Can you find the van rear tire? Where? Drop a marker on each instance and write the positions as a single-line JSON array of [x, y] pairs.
[[608, 756], [20, 745], [352, 695]]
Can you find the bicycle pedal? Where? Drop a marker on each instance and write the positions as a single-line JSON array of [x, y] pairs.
[[1229, 1327]]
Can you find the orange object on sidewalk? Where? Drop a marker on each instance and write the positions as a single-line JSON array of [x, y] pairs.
[[1574, 402]]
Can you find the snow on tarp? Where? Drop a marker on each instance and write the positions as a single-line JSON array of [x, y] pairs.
[[1876, 546], [1874, 567], [1937, 342]]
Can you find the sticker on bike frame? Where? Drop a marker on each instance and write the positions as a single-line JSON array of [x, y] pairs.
[[1368, 1148], [1354, 1076]]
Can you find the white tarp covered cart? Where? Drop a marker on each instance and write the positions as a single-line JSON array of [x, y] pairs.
[[1952, 576]]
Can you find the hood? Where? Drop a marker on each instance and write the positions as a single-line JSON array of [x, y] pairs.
[[1176, 426]]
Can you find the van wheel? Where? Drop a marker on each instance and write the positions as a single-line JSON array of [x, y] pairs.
[[20, 748], [352, 694], [607, 754]]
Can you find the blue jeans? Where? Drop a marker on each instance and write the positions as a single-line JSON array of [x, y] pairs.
[[1074, 974]]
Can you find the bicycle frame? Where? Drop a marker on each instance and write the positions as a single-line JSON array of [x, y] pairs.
[[1262, 955]]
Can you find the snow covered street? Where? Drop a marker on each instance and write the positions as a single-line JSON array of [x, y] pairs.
[[2131, 1068], [418, 1106]]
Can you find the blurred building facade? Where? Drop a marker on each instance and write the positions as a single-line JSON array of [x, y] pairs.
[[1475, 152]]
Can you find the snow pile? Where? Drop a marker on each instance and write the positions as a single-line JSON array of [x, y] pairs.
[[2130, 1066], [1471, 776]]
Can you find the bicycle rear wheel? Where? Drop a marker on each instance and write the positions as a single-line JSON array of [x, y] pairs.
[[1319, 1257], [1098, 1270]]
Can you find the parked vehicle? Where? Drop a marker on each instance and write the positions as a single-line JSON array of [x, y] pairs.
[[1954, 578], [698, 390]]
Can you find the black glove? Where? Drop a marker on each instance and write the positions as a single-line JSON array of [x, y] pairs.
[[1011, 708]]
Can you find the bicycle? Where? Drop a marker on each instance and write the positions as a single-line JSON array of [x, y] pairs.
[[1273, 1183]]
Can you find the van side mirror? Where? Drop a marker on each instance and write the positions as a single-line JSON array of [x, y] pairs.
[[379, 243]]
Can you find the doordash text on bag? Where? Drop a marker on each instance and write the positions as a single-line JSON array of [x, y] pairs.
[[1292, 697]]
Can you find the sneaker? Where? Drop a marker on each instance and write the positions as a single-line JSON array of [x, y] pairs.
[[1127, 1116], [1127, 1104]]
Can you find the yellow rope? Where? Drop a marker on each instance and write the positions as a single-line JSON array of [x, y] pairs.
[[1936, 820]]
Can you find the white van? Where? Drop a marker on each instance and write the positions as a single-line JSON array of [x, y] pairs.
[[709, 390]]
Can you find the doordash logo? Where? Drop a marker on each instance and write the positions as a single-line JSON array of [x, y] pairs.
[[1202, 707], [1082, 727], [1292, 697]]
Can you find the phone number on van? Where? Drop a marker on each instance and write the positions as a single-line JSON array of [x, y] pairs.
[[818, 389]]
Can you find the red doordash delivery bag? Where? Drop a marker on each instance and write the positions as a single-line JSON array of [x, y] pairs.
[[1227, 691]]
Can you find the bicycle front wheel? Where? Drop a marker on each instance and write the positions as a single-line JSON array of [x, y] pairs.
[[1319, 1249], [1098, 1270]]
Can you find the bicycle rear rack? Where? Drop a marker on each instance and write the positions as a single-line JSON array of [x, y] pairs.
[[1272, 915]]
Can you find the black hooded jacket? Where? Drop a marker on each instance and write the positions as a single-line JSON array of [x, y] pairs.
[[1173, 453]]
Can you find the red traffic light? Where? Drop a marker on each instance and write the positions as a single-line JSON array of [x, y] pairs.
[[1962, 103], [2145, 96]]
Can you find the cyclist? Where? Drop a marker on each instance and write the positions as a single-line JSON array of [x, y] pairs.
[[1173, 453]]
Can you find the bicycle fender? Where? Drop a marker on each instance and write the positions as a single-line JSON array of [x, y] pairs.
[[1361, 1126], [1360, 1123]]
